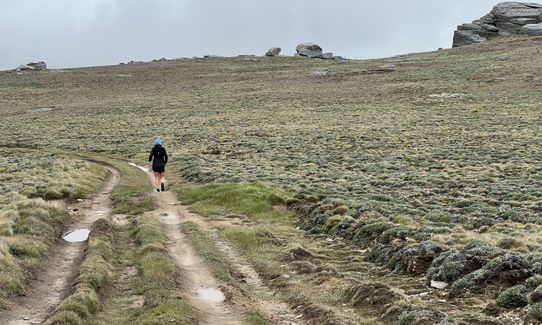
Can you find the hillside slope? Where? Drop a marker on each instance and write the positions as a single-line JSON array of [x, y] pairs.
[[429, 161]]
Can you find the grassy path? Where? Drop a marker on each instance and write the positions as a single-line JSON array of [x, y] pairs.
[[54, 279]]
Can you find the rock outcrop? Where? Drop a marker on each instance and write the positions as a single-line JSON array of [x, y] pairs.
[[506, 18], [274, 51], [309, 50], [33, 66]]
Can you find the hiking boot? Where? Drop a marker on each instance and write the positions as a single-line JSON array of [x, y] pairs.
[[163, 187], [157, 190]]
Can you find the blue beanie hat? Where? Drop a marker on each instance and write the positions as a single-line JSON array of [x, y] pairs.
[[158, 141]]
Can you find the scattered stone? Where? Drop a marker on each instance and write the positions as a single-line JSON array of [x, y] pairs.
[[506, 18], [310, 50], [439, 284], [41, 110], [388, 66], [206, 57], [447, 95], [33, 66], [248, 57], [322, 72], [274, 51]]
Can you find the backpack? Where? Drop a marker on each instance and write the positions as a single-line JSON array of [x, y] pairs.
[[160, 152]]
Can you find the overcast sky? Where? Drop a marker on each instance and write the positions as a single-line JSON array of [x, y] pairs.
[[71, 33]]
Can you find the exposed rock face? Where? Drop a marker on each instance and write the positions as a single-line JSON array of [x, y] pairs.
[[506, 18], [274, 51], [33, 66], [309, 50], [532, 29]]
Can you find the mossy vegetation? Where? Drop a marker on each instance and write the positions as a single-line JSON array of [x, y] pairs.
[[254, 318]]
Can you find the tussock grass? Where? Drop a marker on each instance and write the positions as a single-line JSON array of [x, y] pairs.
[[94, 275], [255, 200], [265, 242], [206, 247], [31, 214], [158, 280], [249, 198]]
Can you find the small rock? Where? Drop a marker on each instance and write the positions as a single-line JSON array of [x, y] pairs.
[[439, 284], [327, 56], [321, 72], [274, 51], [388, 66]]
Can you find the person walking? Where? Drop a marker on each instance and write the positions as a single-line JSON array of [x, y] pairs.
[[159, 157]]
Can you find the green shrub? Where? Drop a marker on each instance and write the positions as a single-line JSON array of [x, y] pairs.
[[406, 318], [513, 297], [534, 315], [507, 243]]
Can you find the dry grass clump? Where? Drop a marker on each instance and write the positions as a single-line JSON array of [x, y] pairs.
[[158, 280], [94, 275], [31, 214]]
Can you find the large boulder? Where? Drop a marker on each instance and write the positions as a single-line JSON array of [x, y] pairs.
[[309, 50], [274, 51], [506, 18], [33, 66]]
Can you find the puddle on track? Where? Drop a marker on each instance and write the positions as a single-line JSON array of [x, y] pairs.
[[77, 235], [146, 170], [102, 212], [169, 216], [211, 295]]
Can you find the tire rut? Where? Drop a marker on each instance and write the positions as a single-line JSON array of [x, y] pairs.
[[58, 271], [196, 275]]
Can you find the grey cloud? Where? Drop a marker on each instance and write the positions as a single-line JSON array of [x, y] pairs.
[[68, 33]]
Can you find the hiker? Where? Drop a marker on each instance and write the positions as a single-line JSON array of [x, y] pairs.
[[158, 157]]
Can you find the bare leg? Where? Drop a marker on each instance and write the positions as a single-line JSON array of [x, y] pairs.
[[157, 178], [162, 179]]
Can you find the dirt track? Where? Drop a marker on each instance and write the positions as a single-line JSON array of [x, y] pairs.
[[197, 276], [56, 276]]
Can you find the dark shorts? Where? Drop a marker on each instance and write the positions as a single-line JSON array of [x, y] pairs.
[[158, 169]]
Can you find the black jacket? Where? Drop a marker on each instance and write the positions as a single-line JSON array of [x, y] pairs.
[[158, 156]]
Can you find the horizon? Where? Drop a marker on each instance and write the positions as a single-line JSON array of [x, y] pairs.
[[100, 32]]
